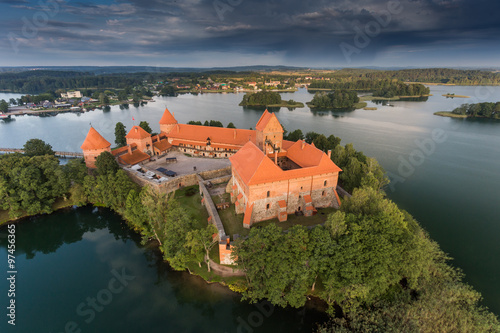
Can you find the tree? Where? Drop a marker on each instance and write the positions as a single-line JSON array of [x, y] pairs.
[[76, 170], [200, 242], [231, 125], [122, 95], [120, 133], [31, 184], [103, 98], [295, 135], [4, 106], [176, 225], [192, 122], [276, 265], [37, 147], [145, 126], [12, 101], [106, 163]]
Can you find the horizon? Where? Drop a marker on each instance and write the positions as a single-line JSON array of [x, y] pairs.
[[238, 33]]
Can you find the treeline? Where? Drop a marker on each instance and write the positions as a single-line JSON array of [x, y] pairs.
[[480, 110], [383, 88], [261, 98], [371, 263], [432, 75], [34, 82], [340, 99], [402, 89], [366, 85]]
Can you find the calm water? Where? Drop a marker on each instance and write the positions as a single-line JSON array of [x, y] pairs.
[[445, 173], [69, 258]]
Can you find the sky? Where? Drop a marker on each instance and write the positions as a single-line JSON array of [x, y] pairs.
[[212, 33]]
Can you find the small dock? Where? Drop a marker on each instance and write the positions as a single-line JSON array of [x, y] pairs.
[[62, 154]]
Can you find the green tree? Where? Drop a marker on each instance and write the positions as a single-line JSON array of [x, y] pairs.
[[295, 135], [106, 163], [145, 126], [120, 133], [176, 227], [231, 125], [122, 95], [200, 242], [37, 147], [4, 106], [276, 265], [76, 170]]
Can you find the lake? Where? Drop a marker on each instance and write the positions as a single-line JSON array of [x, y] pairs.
[[444, 172]]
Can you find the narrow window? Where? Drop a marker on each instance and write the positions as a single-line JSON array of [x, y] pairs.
[[267, 206], [268, 194], [323, 194], [324, 184]]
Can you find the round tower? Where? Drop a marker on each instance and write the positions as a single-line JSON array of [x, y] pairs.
[[167, 122]]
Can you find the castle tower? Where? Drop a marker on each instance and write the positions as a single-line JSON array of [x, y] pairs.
[[167, 122], [269, 133], [93, 146], [140, 138]]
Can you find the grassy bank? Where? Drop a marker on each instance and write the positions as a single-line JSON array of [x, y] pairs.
[[449, 114], [58, 204]]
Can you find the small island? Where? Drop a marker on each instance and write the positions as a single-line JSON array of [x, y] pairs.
[[478, 110], [452, 95], [341, 99], [268, 99]]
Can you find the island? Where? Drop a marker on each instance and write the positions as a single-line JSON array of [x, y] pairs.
[[452, 95], [478, 110], [268, 99], [341, 99]]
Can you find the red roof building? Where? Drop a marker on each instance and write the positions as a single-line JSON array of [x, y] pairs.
[[93, 145]]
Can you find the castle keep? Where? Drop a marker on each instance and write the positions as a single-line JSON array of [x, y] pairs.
[[271, 177]]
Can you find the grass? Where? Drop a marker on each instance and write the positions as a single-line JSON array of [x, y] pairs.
[[233, 223], [212, 277], [306, 221], [360, 105], [192, 204], [369, 108], [450, 114]]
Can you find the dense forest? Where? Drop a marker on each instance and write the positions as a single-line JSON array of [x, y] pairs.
[[340, 99], [402, 89], [35, 82], [383, 88], [261, 98], [479, 110], [463, 77]]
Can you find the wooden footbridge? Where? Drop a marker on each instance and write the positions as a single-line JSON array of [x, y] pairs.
[[62, 154]]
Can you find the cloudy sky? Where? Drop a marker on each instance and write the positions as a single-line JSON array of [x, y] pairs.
[[206, 33]]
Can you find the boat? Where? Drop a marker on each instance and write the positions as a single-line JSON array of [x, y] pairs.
[[4, 116]]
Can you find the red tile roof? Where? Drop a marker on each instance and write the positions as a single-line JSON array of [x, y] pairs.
[[162, 145], [196, 134], [265, 119], [137, 133], [248, 215], [94, 141], [167, 118], [119, 151], [256, 168], [137, 156]]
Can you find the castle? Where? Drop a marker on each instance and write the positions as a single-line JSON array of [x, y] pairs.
[[271, 177]]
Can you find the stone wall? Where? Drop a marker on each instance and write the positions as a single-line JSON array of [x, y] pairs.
[[175, 183]]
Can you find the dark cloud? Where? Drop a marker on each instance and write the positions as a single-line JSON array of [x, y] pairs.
[[296, 30]]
